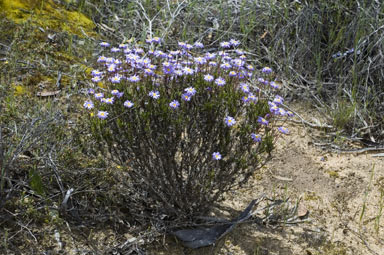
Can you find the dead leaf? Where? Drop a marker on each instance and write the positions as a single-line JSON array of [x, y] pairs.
[[48, 93], [281, 178], [302, 211], [264, 35]]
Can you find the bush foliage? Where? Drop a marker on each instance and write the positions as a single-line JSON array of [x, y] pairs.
[[188, 126]]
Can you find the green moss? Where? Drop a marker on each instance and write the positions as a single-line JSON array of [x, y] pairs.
[[48, 15], [334, 248], [19, 90], [310, 196], [333, 174]]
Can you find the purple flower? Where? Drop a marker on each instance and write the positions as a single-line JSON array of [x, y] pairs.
[[132, 57], [123, 46], [216, 155], [115, 79], [225, 45], [146, 62], [281, 112], [134, 78], [101, 59], [182, 44], [266, 70], [274, 85], [109, 100], [208, 78], [227, 58], [91, 91], [278, 100], [154, 94], [244, 87], [190, 91], [290, 114], [187, 70], [168, 68], [128, 104], [174, 104], [232, 74], [115, 92], [96, 73], [110, 60], [252, 97], [198, 45], [250, 67], [156, 39], [212, 63], [234, 43], [99, 95], [225, 66], [111, 68], [174, 52], [138, 50], [186, 97], [159, 53], [96, 79], [88, 105], [283, 130], [210, 56], [117, 62], [241, 75], [200, 60], [102, 114], [238, 63], [245, 99], [148, 71], [229, 121], [178, 72], [104, 44], [220, 82], [114, 49], [167, 64], [239, 52], [256, 137], [188, 46], [262, 121], [273, 109]]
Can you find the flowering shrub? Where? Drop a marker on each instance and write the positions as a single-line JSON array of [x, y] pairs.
[[189, 125]]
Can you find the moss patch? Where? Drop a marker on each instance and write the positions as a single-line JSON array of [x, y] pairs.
[[48, 15], [333, 174]]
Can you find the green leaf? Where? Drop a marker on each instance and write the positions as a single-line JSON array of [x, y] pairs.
[[35, 182]]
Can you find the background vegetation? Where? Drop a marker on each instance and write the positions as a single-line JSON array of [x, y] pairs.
[[328, 53]]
